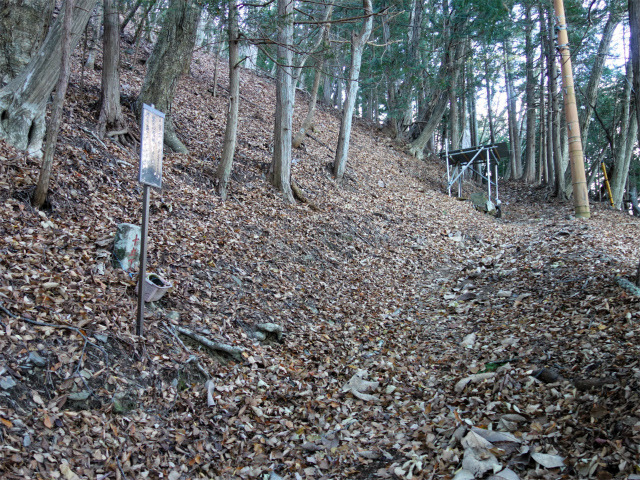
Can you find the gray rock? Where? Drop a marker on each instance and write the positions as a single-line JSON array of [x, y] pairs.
[[7, 382], [126, 246], [36, 359], [260, 336], [271, 328], [101, 338], [26, 440], [79, 396], [482, 203]]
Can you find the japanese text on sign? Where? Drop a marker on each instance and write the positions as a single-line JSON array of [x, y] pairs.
[[151, 142]]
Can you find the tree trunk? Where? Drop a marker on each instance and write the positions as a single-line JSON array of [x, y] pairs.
[[96, 25], [453, 118], [42, 187], [447, 78], [23, 99], [358, 42], [324, 29], [624, 147], [489, 101], [23, 27], [514, 133], [280, 171], [554, 121], [530, 150], [170, 57], [326, 89], [217, 60], [634, 41], [229, 147], [591, 94], [110, 111], [308, 121], [128, 18]]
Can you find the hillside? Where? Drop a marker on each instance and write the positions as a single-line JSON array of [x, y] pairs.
[[462, 320]]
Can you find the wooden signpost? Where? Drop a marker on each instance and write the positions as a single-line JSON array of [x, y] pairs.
[[150, 175]]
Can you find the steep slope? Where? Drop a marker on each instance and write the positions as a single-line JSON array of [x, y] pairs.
[[385, 280]]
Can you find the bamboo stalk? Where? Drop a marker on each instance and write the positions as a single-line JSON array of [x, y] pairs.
[[576, 157]]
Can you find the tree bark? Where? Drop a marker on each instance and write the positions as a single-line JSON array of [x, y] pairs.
[[23, 99], [170, 58], [624, 141], [358, 42], [23, 27], [229, 147], [110, 111], [96, 25], [591, 93], [514, 132], [280, 170], [489, 101], [216, 70], [530, 150], [42, 187], [634, 42], [308, 121], [453, 118], [128, 18]]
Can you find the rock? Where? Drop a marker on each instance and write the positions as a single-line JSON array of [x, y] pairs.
[[271, 328], [380, 183], [79, 396], [504, 294], [7, 383], [173, 316], [124, 402], [482, 203], [126, 246], [260, 336], [36, 359], [101, 338]]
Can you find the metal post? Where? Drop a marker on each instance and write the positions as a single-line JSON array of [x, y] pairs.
[[496, 169], [446, 156], [489, 171], [143, 260]]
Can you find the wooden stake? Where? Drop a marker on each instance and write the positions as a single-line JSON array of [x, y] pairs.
[[576, 157]]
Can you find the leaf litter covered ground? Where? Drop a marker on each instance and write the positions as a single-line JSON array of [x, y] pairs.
[[421, 338]]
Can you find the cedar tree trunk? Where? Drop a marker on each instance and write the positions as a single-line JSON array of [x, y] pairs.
[[42, 187], [280, 170], [167, 63], [229, 147]]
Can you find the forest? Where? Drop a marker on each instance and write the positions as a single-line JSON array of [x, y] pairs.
[[331, 310]]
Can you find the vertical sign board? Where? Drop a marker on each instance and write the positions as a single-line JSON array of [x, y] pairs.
[[150, 175]]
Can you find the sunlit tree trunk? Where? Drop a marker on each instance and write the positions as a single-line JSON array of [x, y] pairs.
[[514, 133], [358, 42], [530, 150], [94, 37], [308, 121]]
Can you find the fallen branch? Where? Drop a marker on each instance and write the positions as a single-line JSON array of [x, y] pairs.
[[117, 132], [628, 286], [297, 192], [94, 136], [192, 358], [314, 138], [235, 352]]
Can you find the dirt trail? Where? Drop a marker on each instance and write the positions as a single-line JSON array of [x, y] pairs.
[[385, 281]]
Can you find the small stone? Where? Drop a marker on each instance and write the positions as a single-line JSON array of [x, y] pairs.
[[126, 246], [260, 336], [504, 294], [7, 382], [271, 328], [26, 440], [101, 338], [380, 183], [79, 396], [36, 359]]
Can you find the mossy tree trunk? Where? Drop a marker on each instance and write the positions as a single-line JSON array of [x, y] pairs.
[[23, 27], [168, 61], [23, 99]]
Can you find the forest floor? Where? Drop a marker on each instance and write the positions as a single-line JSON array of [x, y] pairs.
[[420, 336]]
